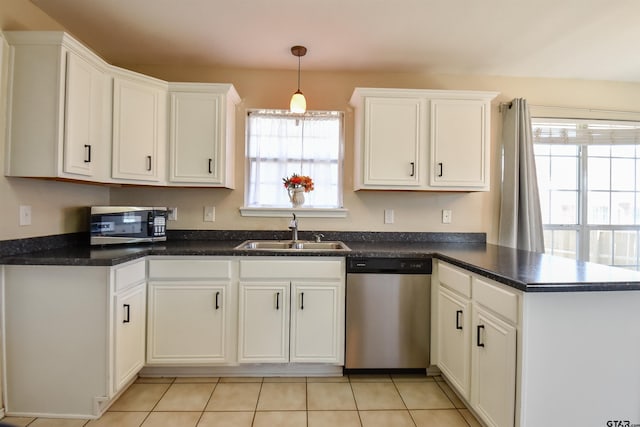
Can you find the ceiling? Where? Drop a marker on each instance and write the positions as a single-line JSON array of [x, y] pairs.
[[581, 39]]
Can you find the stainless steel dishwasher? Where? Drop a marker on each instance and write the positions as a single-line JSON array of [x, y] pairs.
[[388, 314]]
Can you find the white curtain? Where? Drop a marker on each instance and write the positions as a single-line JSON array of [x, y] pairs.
[[520, 218]]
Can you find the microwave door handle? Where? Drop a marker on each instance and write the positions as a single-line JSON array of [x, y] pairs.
[[150, 221]]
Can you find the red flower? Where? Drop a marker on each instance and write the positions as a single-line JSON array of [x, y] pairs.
[[298, 181]]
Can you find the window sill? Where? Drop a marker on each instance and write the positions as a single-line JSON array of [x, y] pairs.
[[300, 212]]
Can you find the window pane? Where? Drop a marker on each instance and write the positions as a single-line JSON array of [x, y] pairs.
[[564, 243], [545, 206], [598, 207], [564, 150], [622, 173], [564, 173], [541, 149], [564, 207], [625, 249], [599, 150], [623, 151], [599, 174], [600, 246], [622, 208]]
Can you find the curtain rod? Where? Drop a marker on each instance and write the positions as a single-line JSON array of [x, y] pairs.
[[507, 105]]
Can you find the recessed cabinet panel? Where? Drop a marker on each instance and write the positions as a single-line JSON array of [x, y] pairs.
[[135, 131], [263, 322], [195, 143], [187, 323], [393, 135], [130, 331], [454, 325], [458, 143], [315, 323], [493, 369], [201, 134]]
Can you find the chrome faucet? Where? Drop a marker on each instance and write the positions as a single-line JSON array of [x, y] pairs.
[[293, 226]]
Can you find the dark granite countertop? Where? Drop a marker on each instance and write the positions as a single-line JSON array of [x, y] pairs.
[[526, 271]]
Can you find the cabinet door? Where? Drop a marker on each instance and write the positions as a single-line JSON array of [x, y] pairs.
[[188, 323], [459, 144], [136, 130], [493, 369], [263, 322], [316, 322], [454, 339], [394, 136], [196, 138], [130, 330], [84, 126]]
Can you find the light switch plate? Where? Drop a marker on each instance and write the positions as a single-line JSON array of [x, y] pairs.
[[25, 215], [172, 214], [388, 216], [209, 213], [446, 216]]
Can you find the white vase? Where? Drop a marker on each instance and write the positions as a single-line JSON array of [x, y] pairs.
[[296, 196]]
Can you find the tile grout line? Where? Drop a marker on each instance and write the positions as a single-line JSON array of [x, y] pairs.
[[403, 401], [355, 402], [452, 402]]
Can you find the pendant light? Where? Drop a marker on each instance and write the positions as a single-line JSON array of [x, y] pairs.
[[298, 102]]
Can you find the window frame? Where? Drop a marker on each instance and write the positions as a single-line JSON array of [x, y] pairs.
[[583, 230], [308, 212]]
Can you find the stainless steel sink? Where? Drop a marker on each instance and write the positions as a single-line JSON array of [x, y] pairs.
[[292, 246]]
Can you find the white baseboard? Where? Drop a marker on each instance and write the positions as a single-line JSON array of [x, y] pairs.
[[263, 370]]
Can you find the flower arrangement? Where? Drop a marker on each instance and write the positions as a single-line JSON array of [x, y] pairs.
[[298, 181]]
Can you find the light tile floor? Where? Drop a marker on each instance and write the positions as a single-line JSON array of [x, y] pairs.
[[357, 401]]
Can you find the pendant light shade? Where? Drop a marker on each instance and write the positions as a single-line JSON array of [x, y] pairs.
[[298, 103]]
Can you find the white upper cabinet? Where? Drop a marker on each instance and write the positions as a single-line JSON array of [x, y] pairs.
[[139, 128], [64, 88], [201, 134], [459, 141], [393, 141], [415, 139]]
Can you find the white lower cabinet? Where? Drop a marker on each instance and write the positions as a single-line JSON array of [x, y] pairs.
[[476, 342], [493, 367], [130, 331], [291, 310], [68, 350], [454, 336], [264, 322], [191, 305]]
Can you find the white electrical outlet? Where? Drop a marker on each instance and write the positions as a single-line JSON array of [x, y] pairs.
[[172, 214], [25, 215], [446, 216], [209, 213], [388, 216]]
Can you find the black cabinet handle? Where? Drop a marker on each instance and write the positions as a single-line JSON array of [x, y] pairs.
[[217, 302], [278, 301], [301, 300], [87, 152], [413, 169], [458, 314], [441, 169], [479, 343], [149, 163], [210, 161], [127, 313]]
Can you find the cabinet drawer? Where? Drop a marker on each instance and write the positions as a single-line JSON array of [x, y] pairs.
[[189, 269], [290, 268], [454, 279], [496, 298], [130, 275]]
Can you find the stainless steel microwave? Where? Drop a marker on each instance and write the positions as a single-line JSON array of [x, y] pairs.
[[127, 224]]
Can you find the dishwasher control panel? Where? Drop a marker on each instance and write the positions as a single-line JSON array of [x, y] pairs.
[[390, 265]]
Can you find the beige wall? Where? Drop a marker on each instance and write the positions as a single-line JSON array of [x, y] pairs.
[[57, 204]]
